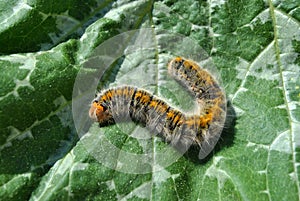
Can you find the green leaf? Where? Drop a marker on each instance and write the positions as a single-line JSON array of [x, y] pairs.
[[39, 25], [254, 46]]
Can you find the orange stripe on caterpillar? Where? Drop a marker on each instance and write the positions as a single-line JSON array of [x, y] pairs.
[[130, 103]]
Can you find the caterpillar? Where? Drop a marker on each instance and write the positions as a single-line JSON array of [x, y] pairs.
[[181, 130]]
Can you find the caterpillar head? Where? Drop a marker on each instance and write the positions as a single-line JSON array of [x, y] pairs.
[[100, 112]]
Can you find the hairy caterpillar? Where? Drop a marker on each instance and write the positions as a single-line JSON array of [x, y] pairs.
[[180, 129]]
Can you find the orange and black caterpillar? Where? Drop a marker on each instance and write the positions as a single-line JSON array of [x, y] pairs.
[[181, 130]]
